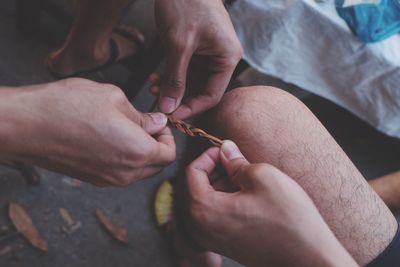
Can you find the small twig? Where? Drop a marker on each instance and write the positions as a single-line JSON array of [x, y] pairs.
[[193, 131]]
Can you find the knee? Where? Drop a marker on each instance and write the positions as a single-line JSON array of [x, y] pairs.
[[250, 106]]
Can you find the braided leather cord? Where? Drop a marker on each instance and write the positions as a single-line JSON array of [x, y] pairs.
[[193, 131]]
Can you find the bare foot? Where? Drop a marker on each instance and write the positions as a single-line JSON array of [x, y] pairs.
[[71, 59], [388, 188]]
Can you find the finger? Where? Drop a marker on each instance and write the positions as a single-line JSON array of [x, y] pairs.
[[233, 162], [212, 94], [155, 90], [152, 123], [198, 172], [174, 81], [165, 148]]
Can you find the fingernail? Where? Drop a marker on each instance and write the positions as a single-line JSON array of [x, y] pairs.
[[230, 150], [158, 118], [167, 104]]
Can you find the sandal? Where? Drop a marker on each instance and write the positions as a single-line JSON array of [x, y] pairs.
[[136, 37]]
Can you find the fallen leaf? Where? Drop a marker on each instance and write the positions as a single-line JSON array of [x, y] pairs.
[[163, 203], [23, 223], [116, 231]]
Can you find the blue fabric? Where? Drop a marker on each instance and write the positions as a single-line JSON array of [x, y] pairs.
[[372, 22]]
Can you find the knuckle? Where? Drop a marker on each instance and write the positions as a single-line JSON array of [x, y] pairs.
[[232, 61], [235, 55], [215, 99], [170, 157], [141, 121], [238, 52], [179, 43], [174, 83], [198, 214], [115, 93], [79, 83], [189, 169], [144, 153], [191, 27], [256, 170], [78, 80]]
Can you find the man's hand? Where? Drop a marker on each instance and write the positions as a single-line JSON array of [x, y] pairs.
[[268, 221], [200, 28], [83, 129]]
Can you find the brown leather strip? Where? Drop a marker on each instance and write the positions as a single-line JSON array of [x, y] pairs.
[[193, 131]]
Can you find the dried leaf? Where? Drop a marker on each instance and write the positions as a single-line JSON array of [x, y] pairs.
[[23, 223], [116, 231], [163, 203]]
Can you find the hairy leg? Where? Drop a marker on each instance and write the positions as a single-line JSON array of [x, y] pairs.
[[88, 42], [388, 188], [272, 126]]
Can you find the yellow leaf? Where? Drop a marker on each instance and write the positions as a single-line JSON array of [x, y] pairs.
[[163, 203]]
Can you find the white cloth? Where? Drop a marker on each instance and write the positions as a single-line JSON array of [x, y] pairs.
[[306, 43]]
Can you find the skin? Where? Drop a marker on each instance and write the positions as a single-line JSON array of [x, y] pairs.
[[271, 126], [84, 129], [195, 31], [88, 42], [286, 227]]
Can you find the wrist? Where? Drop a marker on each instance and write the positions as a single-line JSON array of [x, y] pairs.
[[325, 250], [14, 108], [6, 126]]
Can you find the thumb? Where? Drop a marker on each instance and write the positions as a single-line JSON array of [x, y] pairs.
[[173, 84], [233, 161], [153, 123]]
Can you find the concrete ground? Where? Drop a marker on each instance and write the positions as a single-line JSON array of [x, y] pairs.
[[21, 62]]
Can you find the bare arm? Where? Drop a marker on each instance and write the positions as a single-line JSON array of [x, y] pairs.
[[84, 129]]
